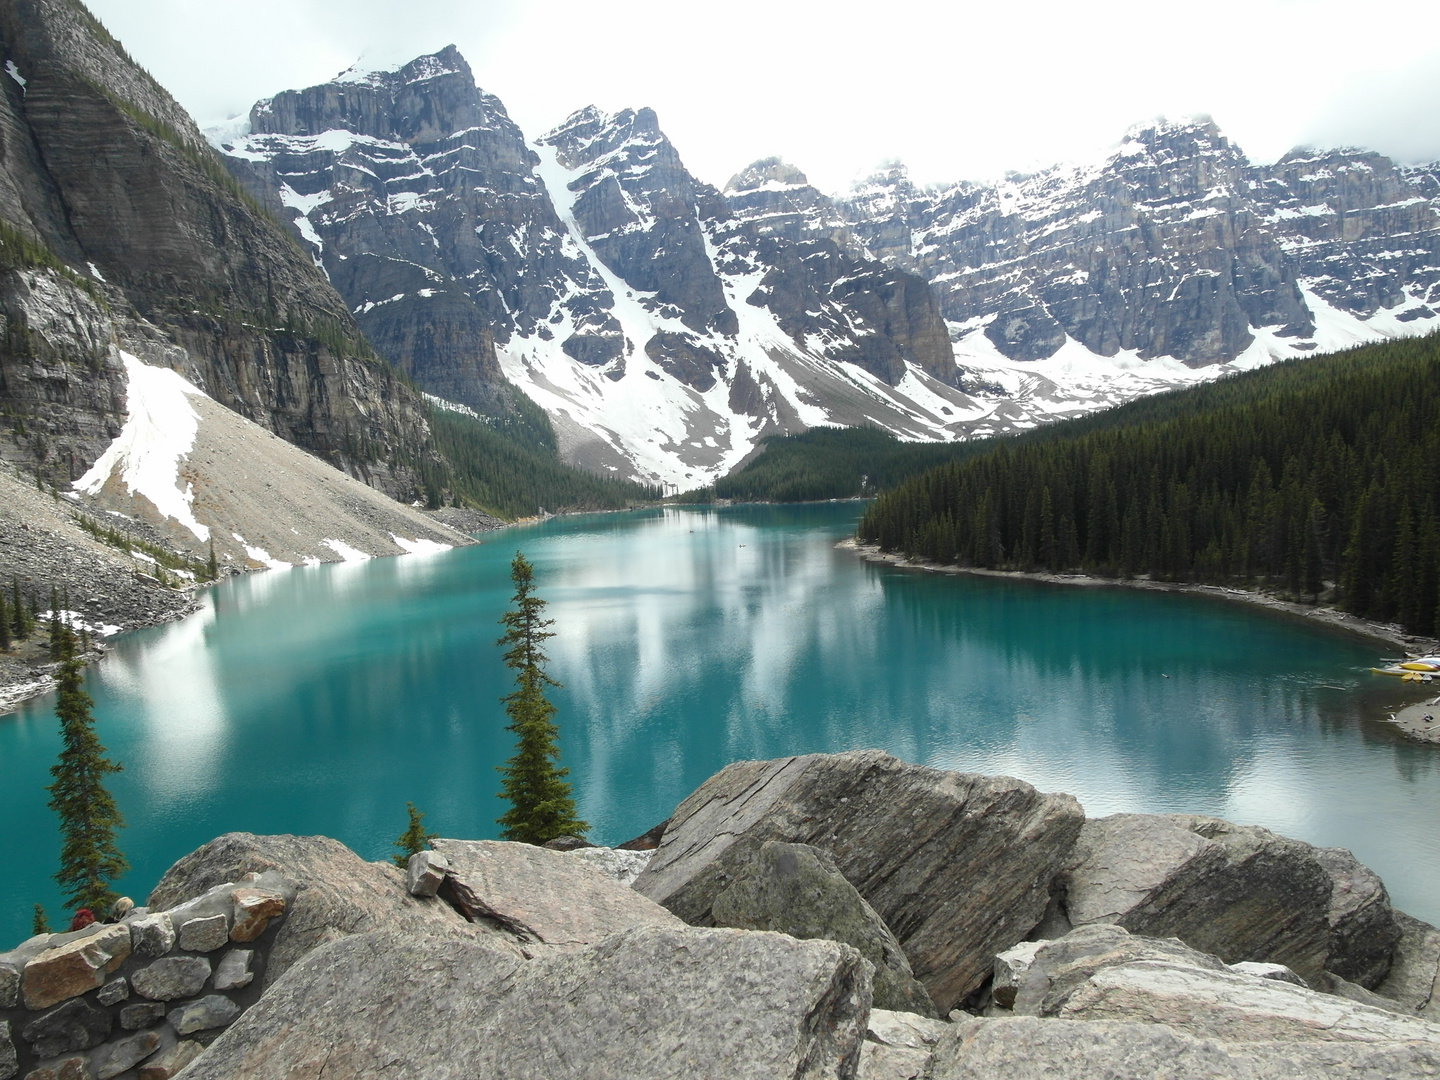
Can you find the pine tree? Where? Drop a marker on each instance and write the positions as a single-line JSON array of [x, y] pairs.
[[541, 806], [212, 568], [17, 611], [57, 628], [5, 630], [40, 924], [89, 859], [414, 839]]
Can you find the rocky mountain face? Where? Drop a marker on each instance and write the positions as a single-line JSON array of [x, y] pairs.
[[159, 252], [663, 333], [1174, 246]]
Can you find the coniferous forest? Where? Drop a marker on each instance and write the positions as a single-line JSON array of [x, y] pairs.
[[1316, 478]]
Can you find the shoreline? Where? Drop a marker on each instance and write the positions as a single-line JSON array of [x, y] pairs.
[[23, 678], [1409, 719]]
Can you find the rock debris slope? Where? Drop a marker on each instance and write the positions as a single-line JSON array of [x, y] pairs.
[[290, 956]]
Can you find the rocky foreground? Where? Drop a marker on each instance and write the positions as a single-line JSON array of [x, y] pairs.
[[804, 917]]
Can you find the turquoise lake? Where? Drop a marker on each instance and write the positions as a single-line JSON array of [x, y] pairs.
[[320, 700]]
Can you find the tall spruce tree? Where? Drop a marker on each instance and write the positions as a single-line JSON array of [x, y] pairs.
[[89, 859], [541, 805]]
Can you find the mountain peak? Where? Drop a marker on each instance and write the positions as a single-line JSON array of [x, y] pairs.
[[767, 171]]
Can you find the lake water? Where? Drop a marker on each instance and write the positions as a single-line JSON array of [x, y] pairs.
[[319, 700]]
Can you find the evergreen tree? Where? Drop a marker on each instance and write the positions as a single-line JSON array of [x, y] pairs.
[[5, 630], [40, 924], [17, 611], [414, 839], [89, 859], [212, 568], [57, 628], [541, 806]]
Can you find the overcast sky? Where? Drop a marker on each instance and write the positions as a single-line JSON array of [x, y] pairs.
[[956, 89]]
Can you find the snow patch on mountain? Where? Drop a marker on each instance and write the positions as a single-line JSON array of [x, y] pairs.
[[159, 433]]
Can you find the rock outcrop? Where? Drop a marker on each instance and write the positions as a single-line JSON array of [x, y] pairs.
[[958, 865], [648, 1002], [1240, 892]]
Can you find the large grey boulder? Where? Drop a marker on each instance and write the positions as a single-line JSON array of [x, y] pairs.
[[336, 892], [796, 889], [541, 896], [653, 1003], [958, 865], [1415, 970], [1240, 892], [1028, 1048]]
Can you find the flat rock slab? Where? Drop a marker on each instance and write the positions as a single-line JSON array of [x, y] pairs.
[[958, 865], [542, 896], [1239, 892], [653, 1003], [337, 892], [1234, 1008], [1027, 1048]]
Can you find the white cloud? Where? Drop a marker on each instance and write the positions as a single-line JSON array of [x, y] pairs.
[[957, 90]]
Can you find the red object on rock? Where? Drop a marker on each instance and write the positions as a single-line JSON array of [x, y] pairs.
[[83, 918]]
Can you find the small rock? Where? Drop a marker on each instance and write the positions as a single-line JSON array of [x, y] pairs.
[[76, 1025], [1262, 970], [211, 1011], [153, 935], [9, 1057], [425, 872], [113, 991], [1010, 967], [79, 965], [254, 908], [205, 934], [171, 977], [115, 1058], [167, 1064], [70, 1068], [233, 971], [142, 1014]]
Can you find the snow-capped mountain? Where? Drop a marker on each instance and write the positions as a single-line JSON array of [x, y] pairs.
[[663, 335], [1173, 246], [666, 326]]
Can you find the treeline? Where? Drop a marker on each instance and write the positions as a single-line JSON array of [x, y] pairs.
[[515, 474], [1317, 478], [830, 463]]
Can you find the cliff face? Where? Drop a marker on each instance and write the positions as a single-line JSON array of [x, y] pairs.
[[111, 195], [1175, 245]]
